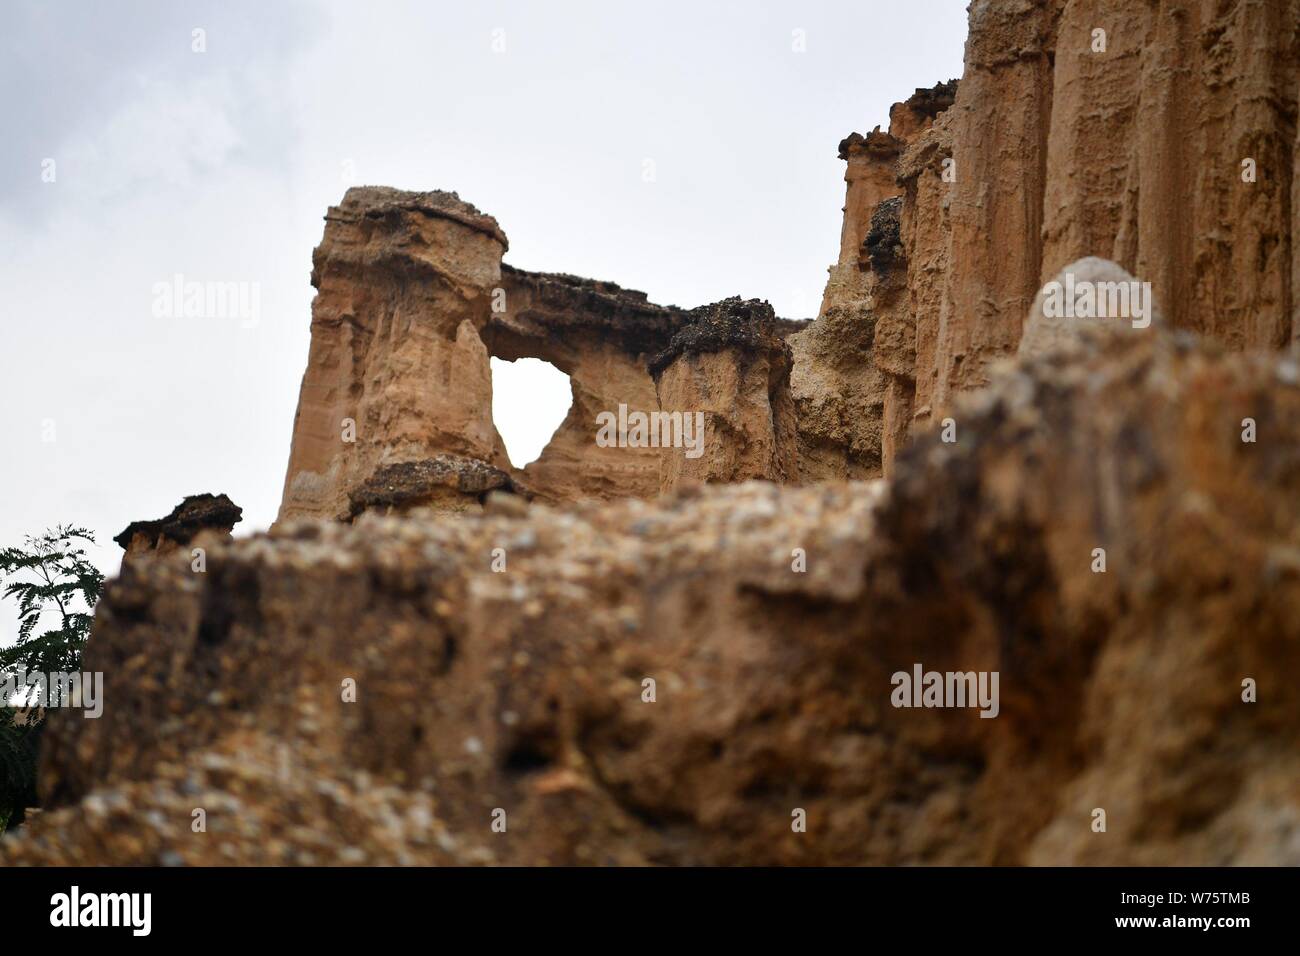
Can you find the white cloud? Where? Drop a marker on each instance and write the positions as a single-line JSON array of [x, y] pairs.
[[167, 135]]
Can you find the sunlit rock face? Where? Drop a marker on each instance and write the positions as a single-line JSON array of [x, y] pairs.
[[397, 370]]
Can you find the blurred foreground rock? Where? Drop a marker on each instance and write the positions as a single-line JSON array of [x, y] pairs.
[[519, 695]]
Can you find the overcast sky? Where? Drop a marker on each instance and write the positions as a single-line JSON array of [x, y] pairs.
[[219, 165]]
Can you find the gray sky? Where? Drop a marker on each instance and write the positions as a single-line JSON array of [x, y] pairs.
[[219, 166]]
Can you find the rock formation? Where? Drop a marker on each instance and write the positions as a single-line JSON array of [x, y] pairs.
[[869, 176], [849, 404], [925, 170], [1107, 520], [602, 337], [413, 300], [1172, 152], [1054, 321], [723, 384], [445, 483], [667, 683], [397, 371], [214, 515], [1162, 137]]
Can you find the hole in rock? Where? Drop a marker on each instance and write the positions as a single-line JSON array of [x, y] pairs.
[[530, 398], [529, 755]]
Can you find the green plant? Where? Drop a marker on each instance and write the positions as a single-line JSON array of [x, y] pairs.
[[18, 751], [49, 576]]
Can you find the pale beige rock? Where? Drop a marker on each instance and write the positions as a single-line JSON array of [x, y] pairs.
[[838, 396], [1048, 328], [404, 285]]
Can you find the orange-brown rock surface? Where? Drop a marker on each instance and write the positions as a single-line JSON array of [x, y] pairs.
[[869, 179], [723, 389], [397, 371], [413, 300], [665, 682], [601, 336], [925, 171], [849, 404], [1145, 152], [1161, 137]]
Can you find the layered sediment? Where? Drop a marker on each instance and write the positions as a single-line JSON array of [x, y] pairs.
[[852, 389], [602, 336], [413, 301]]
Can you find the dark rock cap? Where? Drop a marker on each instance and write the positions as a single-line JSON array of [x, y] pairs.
[[409, 482], [933, 101], [747, 325], [883, 246], [878, 144], [561, 305], [194, 514]]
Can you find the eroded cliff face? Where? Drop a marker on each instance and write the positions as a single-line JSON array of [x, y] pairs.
[[525, 691], [1172, 153], [925, 170], [396, 404], [602, 336], [397, 370], [1160, 136], [843, 382], [869, 179]]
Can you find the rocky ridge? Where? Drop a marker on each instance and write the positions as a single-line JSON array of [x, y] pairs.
[[525, 690]]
